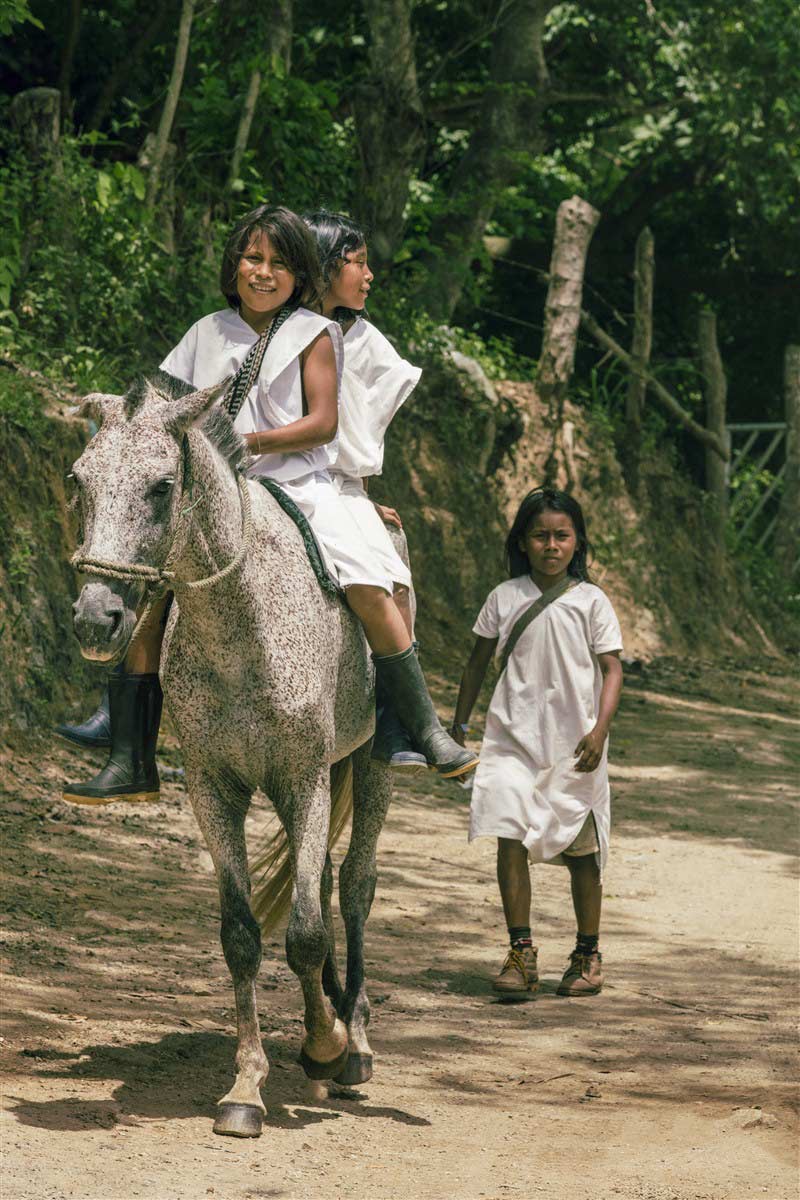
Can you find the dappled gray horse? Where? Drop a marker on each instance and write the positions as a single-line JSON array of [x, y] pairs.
[[268, 682]]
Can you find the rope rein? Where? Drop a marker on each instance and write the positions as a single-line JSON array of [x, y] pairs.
[[160, 580]]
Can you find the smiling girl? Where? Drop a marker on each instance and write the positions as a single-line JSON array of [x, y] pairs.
[[286, 360], [542, 785]]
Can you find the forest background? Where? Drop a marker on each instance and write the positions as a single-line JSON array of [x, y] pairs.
[[453, 130]]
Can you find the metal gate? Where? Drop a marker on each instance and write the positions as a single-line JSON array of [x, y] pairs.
[[755, 472]]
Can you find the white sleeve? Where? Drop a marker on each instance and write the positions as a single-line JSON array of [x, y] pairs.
[[606, 634], [487, 624], [182, 359]]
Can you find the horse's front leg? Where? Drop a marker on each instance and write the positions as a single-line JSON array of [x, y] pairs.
[[220, 814], [372, 792], [304, 809]]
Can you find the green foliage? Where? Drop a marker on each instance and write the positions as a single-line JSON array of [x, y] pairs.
[[21, 409], [15, 12]]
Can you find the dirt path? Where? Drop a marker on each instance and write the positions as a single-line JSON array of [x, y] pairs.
[[674, 1084]]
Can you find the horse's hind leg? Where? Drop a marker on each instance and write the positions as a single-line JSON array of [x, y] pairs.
[[331, 984], [221, 819], [305, 816], [372, 792]]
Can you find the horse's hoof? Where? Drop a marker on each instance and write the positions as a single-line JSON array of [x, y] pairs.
[[239, 1120], [323, 1070], [358, 1069]]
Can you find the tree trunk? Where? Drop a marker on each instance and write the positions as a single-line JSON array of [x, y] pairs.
[[787, 535], [576, 221], [121, 70], [510, 121], [171, 102], [67, 58], [640, 352], [716, 394], [390, 127], [279, 48]]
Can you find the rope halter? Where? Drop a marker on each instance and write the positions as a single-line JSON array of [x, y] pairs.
[[160, 580]]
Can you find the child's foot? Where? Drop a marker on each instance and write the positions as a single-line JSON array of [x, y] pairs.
[[519, 973], [583, 976]]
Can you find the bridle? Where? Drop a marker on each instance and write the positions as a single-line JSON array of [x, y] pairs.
[[160, 580]]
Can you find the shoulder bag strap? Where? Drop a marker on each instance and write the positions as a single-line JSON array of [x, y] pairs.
[[249, 371], [531, 613]]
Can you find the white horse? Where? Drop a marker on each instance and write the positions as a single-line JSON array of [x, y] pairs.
[[268, 682]]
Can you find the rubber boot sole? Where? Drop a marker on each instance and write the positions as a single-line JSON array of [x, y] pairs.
[[84, 743], [456, 772], [129, 797]]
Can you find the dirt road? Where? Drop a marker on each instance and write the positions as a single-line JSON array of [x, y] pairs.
[[674, 1084]]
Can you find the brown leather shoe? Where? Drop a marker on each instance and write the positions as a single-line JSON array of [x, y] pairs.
[[583, 976], [519, 972]]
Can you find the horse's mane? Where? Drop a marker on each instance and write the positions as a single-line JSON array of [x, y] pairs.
[[217, 425]]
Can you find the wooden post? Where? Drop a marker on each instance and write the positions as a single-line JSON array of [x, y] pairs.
[[716, 395], [640, 352], [576, 221], [787, 533]]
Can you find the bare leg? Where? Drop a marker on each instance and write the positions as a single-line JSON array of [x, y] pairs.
[[305, 815], [513, 876], [371, 796], [383, 624], [220, 814], [144, 656], [402, 599], [587, 891]]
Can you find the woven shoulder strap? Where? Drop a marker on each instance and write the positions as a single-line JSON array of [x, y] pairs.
[[249, 371], [531, 613]]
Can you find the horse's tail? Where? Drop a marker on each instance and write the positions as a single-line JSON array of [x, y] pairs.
[[271, 867]]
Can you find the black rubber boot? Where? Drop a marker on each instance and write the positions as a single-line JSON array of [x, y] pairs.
[[391, 743], [401, 677], [130, 773], [94, 731]]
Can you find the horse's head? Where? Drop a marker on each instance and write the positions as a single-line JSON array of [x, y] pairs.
[[129, 483]]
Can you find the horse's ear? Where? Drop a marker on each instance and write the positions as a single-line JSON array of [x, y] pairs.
[[98, 407], [187, 410]]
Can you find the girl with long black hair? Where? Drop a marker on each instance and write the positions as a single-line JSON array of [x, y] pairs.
[[542, 784]]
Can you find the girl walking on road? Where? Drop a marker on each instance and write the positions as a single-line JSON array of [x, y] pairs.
[[542, 784]]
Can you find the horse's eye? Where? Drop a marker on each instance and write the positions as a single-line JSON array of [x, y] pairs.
[[162, 488]]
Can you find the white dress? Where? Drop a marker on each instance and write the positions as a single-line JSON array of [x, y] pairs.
[[376, 381], [213, 349], [526, 786]]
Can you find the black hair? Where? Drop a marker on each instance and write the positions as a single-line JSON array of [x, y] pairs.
[[336, 236], [291, 239], [546, 499]]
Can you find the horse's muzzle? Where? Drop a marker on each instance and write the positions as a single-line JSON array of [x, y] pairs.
[[103, 622]]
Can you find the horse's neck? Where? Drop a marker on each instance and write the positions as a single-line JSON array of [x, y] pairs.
[[213, 508]]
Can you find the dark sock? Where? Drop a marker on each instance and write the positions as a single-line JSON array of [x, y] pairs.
[[520, 935], [587, 943]]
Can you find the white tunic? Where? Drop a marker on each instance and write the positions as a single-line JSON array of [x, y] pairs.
[[213, 349], [216, 346], [376, 381], [526, 786]]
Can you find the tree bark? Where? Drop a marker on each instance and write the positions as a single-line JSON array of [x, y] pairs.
[[390, 127], [576, 221], [171, 102], [667, 400], [787, 535], [640, 351], [279, 48], [716, 389], [510, 121], [67, 58]]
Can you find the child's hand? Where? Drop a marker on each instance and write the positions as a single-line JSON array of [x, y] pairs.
[[590, 749], [388, 515]]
